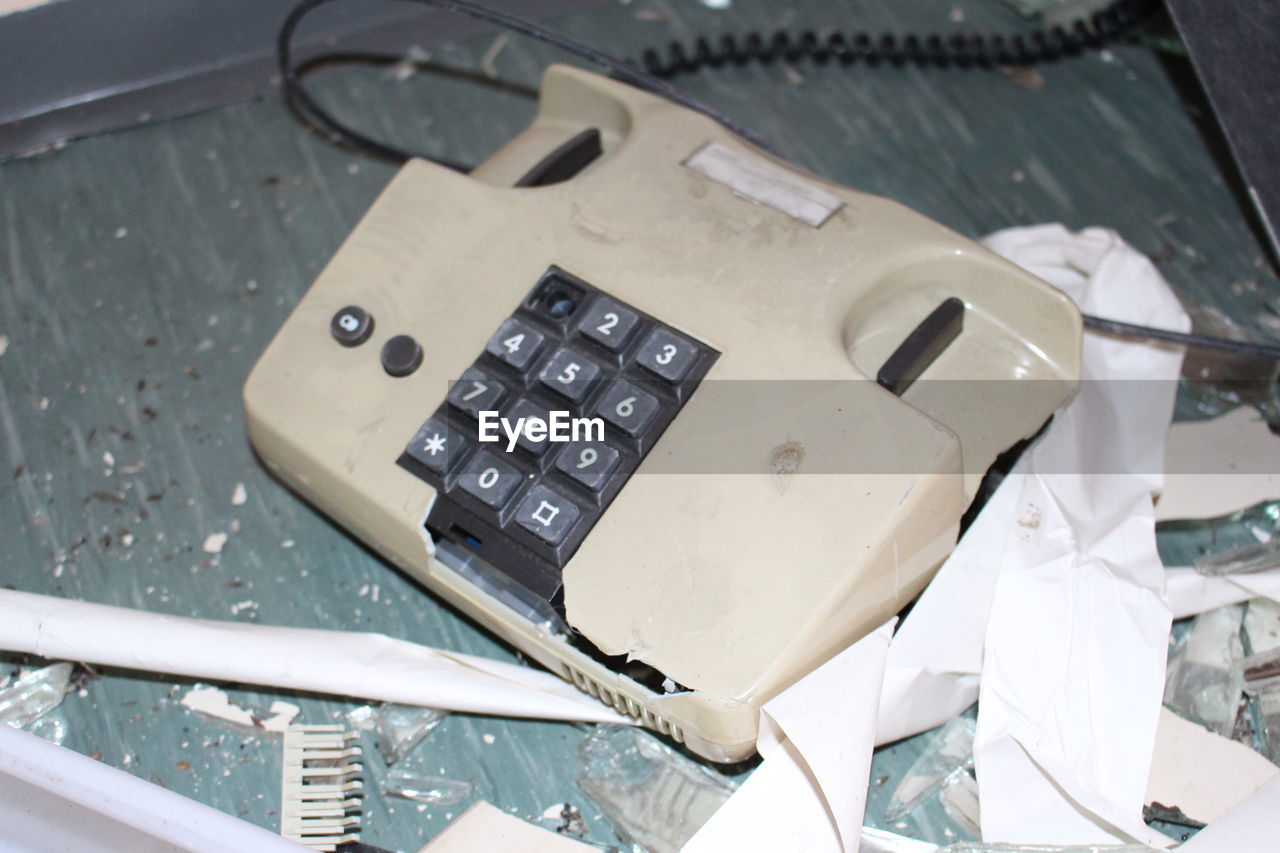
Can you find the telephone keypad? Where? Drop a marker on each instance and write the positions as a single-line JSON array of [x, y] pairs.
[[569, 349]]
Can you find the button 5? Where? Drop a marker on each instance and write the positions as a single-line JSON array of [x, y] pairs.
[[569, 373]]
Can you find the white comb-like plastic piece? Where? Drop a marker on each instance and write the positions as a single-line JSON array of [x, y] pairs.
[[318, 788]]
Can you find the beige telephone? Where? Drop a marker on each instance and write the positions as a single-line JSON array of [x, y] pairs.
[[755, 404]]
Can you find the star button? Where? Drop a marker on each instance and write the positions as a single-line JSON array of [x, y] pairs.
[[435, 444]]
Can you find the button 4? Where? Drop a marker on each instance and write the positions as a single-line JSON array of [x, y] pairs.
[[667, 354], [516, 343], [547, 514]]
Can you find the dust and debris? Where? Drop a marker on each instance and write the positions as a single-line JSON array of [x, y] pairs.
[[126, 539], [414, 58], [4, 344], [1165, 219], [214, 705], [786, 458], [239, 495], [1024, 76], [288, 543], [42, 403], [122, 232], [794, 77], [652, 15], [488, 739], [956, 15], [243, 605], [717, 4], [1018, 176], [1031, 518], [214, 543], [487, 61], [108, 459]]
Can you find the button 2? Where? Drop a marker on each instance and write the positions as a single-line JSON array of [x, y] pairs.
[[546, 514], [569, 373], [490, 479], [667, 354], [515, 343], [351, 326], [608, 323]]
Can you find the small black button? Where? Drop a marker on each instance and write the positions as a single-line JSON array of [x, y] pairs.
[[588, 462], [527, 409], [608, 323], [490, 479], [436, 446], [351, 326], [476, 392], [515, 343], [401, 355], [569, 373], [546, 514], [627, 407], [667, 354]]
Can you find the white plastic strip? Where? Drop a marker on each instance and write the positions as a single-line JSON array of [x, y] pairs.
[[371, 666], [756, 179]]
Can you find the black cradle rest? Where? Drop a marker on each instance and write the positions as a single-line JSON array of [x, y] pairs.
[[568, 347]]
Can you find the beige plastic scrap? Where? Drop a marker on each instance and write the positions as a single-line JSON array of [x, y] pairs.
[[1218, 466], [484, 827], [318, 788]]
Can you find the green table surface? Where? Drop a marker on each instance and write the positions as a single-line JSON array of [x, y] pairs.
[[141, 272]]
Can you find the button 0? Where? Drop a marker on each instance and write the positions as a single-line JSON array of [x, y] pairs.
[[608, 323], [490, 479], [570, 373], [516, 343], [588, 462], [476, 391], [351, 326], [547, 514], [437, 446], [667, 354], [401, 356], [627, 407]]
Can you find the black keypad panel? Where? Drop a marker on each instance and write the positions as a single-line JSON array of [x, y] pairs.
[[603, 379]]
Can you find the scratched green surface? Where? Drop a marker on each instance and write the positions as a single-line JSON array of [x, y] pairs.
[[141, 272]]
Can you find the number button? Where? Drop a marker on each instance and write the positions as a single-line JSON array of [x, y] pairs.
[[547, 514], [490, 479], [515, 343], [437, 446], [570, 373], [608, 323], [476, 391], [527, 409], [588, 462], [667, 354], [627, 407]]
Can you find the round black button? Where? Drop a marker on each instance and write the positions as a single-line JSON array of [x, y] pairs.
[[401, 355], [351, 326]]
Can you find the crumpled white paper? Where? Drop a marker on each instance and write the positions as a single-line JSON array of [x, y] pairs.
[[1052, 603], [345, 663]]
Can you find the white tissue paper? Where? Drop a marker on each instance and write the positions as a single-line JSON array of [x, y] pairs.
[[1051, 605]]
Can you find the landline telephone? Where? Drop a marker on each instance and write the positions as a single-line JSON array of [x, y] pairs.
[[777, 397]]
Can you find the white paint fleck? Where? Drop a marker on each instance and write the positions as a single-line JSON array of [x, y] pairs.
[[239, 495], [243, 605], [214, 542], [4, 344], [126, 539], [122, 232], [108, 459], [288, 543], [489, 739]]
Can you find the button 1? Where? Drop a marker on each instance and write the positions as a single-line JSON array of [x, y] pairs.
[[351, 326], [588, 462], [608, 323], [527, 409], [667, 354], [401, 356], [490, 479], [627, 407], [516, 343], [570, 373], [437, 446], [476, 392], [547, 514]]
